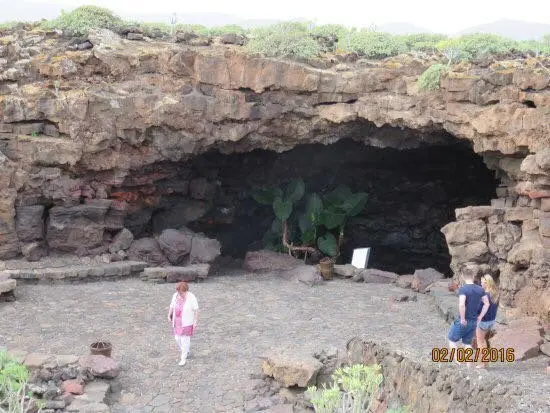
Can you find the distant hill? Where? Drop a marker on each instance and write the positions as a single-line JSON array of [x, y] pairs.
[[27, 11], [515, 29], [22, 10], [401, 28], [208, 19]]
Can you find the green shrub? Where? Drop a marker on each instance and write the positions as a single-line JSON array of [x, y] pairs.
[[536, 47], [80, 20], [353, 390], [429, 80], [328, 30], [472, 46], [154, 30], [283, 39], [421, 42], [11, 25], [13, 386], [192, 28], [371, 44], [230, 28]]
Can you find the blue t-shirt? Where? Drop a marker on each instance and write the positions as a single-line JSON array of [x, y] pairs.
[[491, 313], [473, 293]]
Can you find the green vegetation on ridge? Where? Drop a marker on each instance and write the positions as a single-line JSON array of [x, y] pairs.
[[306, 40]]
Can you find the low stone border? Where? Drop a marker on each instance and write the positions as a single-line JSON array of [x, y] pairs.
[[175, 274], [90, 272]]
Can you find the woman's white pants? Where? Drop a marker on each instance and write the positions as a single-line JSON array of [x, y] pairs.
[[184, 343]]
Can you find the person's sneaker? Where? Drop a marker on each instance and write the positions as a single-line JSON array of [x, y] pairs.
[[182, 362]]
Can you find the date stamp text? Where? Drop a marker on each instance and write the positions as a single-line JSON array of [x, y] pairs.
[[471, 355]]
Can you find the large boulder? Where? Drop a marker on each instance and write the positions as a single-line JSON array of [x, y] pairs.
[[346, 270], [474, 252], [176, 245], [78, 228], [306, 274], [30, 223], [423, 278], [147, 250], [233, 38], [100, 366], [372, 275], [204, 249], [268, 261], [463, 232], [122, 241], [292, 370]]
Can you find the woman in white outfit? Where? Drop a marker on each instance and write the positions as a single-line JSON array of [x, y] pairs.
[[183, 314]]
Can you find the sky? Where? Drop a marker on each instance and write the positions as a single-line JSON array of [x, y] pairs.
[[435, 15]]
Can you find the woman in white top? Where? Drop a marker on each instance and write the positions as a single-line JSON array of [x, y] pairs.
[[183, 314]]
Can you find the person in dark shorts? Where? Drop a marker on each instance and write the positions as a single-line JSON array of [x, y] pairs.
[[470, 297]]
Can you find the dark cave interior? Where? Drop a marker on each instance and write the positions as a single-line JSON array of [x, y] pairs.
[[412, 194]]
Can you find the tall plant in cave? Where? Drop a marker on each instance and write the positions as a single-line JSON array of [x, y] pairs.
[[307, 223]]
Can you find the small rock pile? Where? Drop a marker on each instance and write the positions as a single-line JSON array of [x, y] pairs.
[[289, 372], [68, 383], [7, 288], [176, 255]]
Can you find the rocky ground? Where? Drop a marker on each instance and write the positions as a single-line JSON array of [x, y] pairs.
[[242, 318]]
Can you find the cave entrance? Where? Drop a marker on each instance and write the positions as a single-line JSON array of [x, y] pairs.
[[412, 194]]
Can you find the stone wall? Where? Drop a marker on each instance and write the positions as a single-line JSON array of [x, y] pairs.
[[431, 387], [505, 242], [75, 124]]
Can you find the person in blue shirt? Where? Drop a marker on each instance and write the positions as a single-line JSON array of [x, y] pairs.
[[488, 321], [470, 297]]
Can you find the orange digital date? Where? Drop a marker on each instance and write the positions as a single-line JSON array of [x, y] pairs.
[[470, 355]]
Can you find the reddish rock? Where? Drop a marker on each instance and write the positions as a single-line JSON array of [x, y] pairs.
[[523, 335], [100, 366], [423, 278], [453, 286], [375, 276], [73, 386]]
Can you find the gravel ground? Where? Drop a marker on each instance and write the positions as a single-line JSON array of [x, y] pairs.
[[242, 317]]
